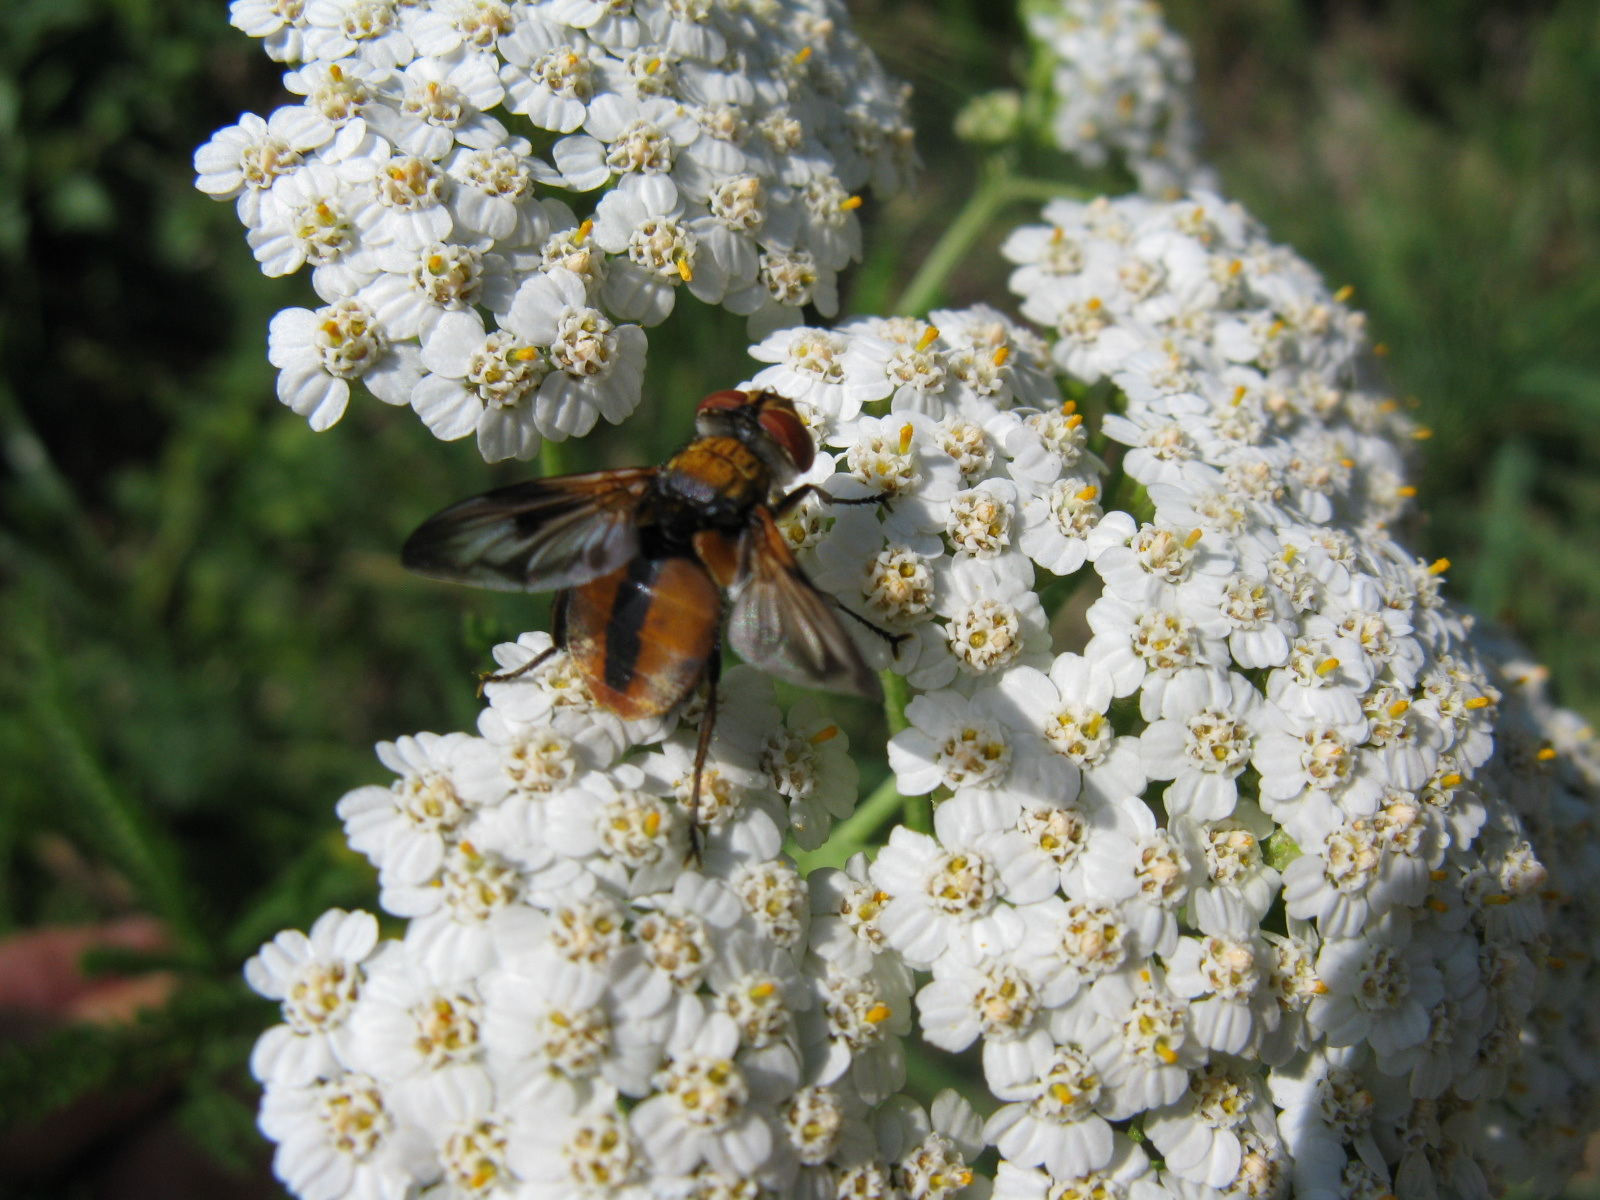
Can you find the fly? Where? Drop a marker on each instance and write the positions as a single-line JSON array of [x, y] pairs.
[[641, 559]]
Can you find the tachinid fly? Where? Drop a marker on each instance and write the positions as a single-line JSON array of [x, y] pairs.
[[641, 558]]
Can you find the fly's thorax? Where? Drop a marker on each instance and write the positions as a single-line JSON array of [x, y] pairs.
[[766, 423], [717, 480]]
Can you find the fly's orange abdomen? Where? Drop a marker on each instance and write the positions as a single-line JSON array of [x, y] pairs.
[[642, 634]]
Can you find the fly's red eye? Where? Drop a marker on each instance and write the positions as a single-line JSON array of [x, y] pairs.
[[783, 426], [725, 401]]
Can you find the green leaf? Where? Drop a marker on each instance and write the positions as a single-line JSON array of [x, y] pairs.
[[1558, 381]]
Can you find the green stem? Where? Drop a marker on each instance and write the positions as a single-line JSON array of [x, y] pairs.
[[918, 814], [870, 814], [552, 458], [896, 695], [851, 835], [997, 189]]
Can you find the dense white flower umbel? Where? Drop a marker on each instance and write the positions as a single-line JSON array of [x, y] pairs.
[[1121, 83], [1278, 873], [1282, 808], [573, 1010], [1276, 879], [429, 179]]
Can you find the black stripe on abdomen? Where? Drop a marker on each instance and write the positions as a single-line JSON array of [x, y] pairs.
[[628, 611]]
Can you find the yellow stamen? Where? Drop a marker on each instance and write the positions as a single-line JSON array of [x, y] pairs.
[[1398, 708], [1194, 536], [1381, 349], [1438, 566], [803, 57], [1239, 393], [1438, 906], [878, 1014], [485, 1172], [1497, 899], [928, 338], [1438, 876], [1056, 235], [1168, 1054], [1422, 433], [1319, 988], [652, 823], [1094, 304], [1001, 355], [1555, 964], [684, 272], [1327, 666], [850, 203], [1347, 463], [1074, 420], [763, 989], [525, 353], [651, 67], [1089, 493], [906, 431], [1407, 491], [1344, 293], [336, 73], [1289, 552], [1478, 702], [1451, 780], [824, 735], [582, 235], [1546, 754], [1068, 407]]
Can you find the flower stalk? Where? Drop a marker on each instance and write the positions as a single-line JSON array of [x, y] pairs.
[[998, 188]]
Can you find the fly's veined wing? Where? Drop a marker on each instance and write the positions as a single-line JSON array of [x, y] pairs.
[[535, 536], [783, 625]]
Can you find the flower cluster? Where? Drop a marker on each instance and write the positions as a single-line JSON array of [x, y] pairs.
[[1273, 879], [1248, 873], [574, 1012], [1122, 83], [421, 179], [1242, 892]]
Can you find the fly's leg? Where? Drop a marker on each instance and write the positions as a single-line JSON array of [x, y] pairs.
[[559, 642], [703, 748], [894, 639], [488, 677], [792, 500]]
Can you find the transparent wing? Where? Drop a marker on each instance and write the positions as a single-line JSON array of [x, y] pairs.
[[783, 625], [535, 536]]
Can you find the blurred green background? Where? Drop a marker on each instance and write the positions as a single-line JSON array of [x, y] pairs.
[[203, 628]]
